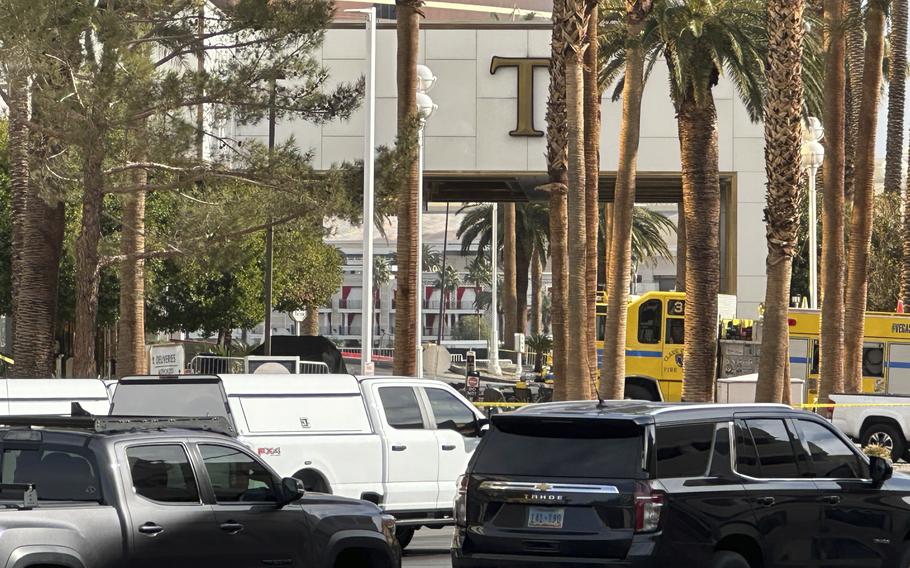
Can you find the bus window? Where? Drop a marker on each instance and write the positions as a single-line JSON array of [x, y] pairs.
[[601, 327], [873, 360], [649, 322], [676, 331]]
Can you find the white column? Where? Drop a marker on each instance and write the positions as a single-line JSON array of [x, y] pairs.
[[494, 302], [369, 143], [420, 290], [813, 246]]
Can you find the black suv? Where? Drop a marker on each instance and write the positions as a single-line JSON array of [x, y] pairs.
[[642, 484]]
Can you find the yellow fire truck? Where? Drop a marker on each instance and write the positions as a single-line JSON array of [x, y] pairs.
[[654, 346]]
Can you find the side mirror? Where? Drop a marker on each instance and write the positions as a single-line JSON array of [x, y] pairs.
[[291, 490], [479, 424], [880, 470]]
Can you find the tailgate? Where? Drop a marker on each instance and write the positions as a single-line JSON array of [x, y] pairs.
[[555, 487]]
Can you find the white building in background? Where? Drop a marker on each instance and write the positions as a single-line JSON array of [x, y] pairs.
[[485, 142]]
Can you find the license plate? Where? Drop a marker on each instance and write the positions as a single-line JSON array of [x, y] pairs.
[[545, 518]]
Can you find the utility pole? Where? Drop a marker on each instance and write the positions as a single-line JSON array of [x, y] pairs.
[[269, 236]]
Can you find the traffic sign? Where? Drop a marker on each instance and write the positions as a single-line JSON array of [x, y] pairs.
[[298, 315]]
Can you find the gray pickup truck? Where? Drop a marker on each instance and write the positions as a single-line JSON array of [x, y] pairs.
[[90, 492]]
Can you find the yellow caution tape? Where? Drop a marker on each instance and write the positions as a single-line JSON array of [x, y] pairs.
[[6, 360], [807, 405]]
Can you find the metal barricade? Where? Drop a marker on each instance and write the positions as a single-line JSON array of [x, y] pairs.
[[312, 368], [216, 364]]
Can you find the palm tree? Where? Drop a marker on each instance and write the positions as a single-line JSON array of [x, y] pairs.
[[557, 172], [831, 348], [447, 282], [861, 220], [619, 268], [479, 275], [897, 79], [577, 374], [406, 332], [855, 41], [509, 273], [701, 40], [782, 111], [592, 178], [432, 259]]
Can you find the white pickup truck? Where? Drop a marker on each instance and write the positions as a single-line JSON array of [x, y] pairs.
[[398, 442], [884, 422]]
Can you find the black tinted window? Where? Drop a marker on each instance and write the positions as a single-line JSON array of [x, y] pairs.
[[561, 449], [831, 457], [401, 408], [775, 451], [720, 456], [451, 413], [683, 451], [649, 322], [59, 474], [172, 398], [162, 473], [676, 331], [236, 477], [746, 458]]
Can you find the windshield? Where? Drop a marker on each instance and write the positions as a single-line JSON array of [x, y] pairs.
[[58, 473], [173, 398], [590, 449]]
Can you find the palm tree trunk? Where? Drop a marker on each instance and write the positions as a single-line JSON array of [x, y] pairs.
[[408, 278], [522, 268], [831, 365], [854, 95], [509, 291], [578, 372], [861, 220], [680, 248], [897, 87], [619, 268], [592, 181], [537, 260], [557, 171], [701, 200], [88, 267], [131, 353], [19, 180], [311, 322], [782, 112]]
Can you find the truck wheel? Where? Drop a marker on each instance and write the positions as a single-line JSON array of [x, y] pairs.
[[887, 436], [727, 559], [404, 536]]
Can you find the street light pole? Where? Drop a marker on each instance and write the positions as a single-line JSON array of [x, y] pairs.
[[269, 236], [425, 108], [493, 365], [812, 154]]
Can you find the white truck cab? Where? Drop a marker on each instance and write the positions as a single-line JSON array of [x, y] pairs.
[[400, 442], [52, 396]]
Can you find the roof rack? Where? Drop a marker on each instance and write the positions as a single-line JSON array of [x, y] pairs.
[[112, 424]]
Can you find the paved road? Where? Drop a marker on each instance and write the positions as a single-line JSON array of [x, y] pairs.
[[429, 549]]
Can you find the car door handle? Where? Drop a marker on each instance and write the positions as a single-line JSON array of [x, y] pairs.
[[151, 529], [448, 447], [831, 499], [765, 501], [231, 527], [399, 448]]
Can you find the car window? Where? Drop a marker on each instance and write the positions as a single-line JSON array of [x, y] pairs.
[[402, 410], [649, 322], [450, 413], [58, 474], [683, 451], [746, 458], [676, 331], [720, 453], [774, 448], [831, 457], [236, 477], [162, 473]]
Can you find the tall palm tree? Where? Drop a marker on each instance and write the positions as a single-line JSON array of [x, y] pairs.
[[480, 275], [407, 32], [831, 348], [897, 87], [577, 374], [861, 220], [702, 39], [782, 112], [855, 41], [509, 272], [557, 172], [592, 178], [431, 258], [619, 268]]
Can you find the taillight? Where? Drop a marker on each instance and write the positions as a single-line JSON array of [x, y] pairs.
[[648, 505], [461, 501]]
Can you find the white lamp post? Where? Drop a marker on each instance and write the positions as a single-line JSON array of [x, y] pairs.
[[493, 366], [812, 155], [369, 145], [425, 109]]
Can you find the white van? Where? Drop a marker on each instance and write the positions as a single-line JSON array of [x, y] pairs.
[[52, 396], [399, 442]]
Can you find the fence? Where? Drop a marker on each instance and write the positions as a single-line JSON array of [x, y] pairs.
[[215, 364], [313, 368]]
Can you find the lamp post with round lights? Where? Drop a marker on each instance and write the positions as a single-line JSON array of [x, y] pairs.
[[812, 154], [425, 108]]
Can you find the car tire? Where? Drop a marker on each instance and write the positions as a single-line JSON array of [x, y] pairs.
[[884, 434], [727, 559], [404, 536]]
